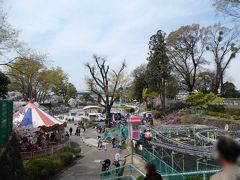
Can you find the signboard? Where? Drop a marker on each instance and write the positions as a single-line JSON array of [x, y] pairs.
[[6, 117]]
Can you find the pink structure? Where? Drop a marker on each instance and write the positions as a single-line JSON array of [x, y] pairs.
[[133, 129]]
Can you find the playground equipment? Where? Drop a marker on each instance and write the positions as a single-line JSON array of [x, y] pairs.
[[120, 133]]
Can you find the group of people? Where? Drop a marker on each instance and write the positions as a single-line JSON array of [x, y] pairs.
[[116, 161], [117, 143], [79, 130], [100, 129]]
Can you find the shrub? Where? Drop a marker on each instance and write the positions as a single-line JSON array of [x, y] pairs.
[[44, 167], [212, 113], [216, 108], [218, 114], [40, 168], [226, 116], [177, 106], [66, 158], [76, 150], [140, 178], [69, 149], [201, 99], [157, 114], [235, 117], [232, 111]]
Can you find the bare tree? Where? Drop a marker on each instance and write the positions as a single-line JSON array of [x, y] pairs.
[[223, 43], [185, 49], [8, 40], [230, 8], [105, 83]]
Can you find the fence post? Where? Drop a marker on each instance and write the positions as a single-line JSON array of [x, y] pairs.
[[204, 176]]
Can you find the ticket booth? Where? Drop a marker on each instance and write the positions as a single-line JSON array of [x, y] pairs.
[[133, 126]]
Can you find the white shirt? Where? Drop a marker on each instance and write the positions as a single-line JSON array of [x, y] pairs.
[[117, 157], [232, 173]]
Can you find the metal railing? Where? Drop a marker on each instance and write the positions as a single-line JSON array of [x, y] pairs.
[[127, 171], [44, 152]]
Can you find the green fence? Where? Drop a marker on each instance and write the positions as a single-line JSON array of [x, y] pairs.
[[126, 172], [171, 174], [6, 117], [162, 167]]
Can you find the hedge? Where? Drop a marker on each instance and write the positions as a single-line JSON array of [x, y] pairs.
[[223, 115], [45, 167], [157, 114]]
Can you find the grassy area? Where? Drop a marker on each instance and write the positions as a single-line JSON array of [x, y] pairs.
[[45, 167]]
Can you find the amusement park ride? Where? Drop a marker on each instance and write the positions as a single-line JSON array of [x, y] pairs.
[[178, 150]]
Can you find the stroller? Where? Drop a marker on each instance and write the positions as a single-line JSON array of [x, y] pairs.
[[106, 164]]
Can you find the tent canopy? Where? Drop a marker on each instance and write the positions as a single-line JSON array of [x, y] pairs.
[[31, 115]]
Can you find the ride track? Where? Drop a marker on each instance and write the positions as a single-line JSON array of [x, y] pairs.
[[162, 140]]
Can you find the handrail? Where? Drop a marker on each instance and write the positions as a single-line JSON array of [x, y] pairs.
[[186, 173], [126, 165], [120, 177], [131, 172], [161, 161]]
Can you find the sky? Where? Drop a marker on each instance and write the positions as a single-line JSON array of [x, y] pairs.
[[71, 31]]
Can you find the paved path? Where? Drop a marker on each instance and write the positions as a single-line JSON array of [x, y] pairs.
[[88, 167]]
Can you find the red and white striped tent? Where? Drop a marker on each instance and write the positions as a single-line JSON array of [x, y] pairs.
[[33, 116]]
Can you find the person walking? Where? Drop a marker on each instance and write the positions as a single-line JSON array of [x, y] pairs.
[[228, 153], [70, 130], [113, 142], [99, 142], [152, 173]]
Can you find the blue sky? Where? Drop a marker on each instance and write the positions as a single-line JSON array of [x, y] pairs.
[[71, 31]]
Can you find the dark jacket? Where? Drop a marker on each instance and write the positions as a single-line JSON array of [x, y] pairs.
[[153, 176]]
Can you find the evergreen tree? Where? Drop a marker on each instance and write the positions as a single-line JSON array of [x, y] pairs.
[[158, 67]]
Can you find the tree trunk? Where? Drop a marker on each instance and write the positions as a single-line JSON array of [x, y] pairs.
[[108, 118], [162, 95], [217, 80], [222, 90]]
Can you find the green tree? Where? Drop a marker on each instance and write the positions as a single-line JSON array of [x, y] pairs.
[[4, 81], [23, 74], [186, 47], [230, 90], [158, 67], [55, 84], [139, 82], [71, 92], [172, 87], [105, 84]]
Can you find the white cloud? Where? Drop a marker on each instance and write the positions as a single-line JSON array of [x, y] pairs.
[[72, 30]]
